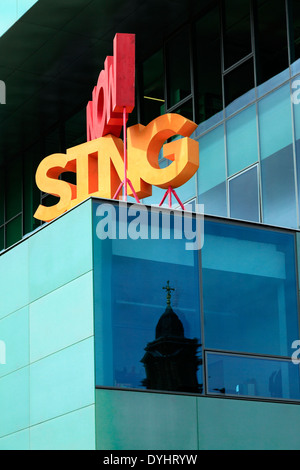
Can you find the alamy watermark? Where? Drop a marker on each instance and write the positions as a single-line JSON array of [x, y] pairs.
[[137, 221], [2, 92], [2, 352]]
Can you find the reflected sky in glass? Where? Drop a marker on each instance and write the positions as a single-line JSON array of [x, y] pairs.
[[11, 11]]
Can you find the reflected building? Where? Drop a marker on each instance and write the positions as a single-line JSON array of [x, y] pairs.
[[171, 362]]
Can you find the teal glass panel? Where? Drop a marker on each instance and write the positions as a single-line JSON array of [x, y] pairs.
[[13, 189], [296, 112], [277, 166], [249, 289], [14, 272], [241, 133], [8, 16], [244, 196], [70, 307], [24, 6], [16, 441], [14, 231], [142, 341], [68, 254], [252, 377], [275, 121], [14, 402], [73, 431], [15, 333], [212, 172], [142, 421], [62, 382]]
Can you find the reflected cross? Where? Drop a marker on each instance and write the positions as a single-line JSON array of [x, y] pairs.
[[168, 289]]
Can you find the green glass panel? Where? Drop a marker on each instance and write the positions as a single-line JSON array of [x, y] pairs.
[[2, 189], [237, 31], [13, 189], [242, 148], [75, 129], [14, 231], [1, 238], [208, 68], [153, 87], [178, 68], [31, 192], [8, 14]]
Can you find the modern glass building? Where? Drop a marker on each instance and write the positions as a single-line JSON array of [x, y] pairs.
[[139, 341]]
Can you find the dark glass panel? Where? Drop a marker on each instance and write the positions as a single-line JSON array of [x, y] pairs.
[[243, 196], [14, 188], [238, 82], [249, 289], [143, 339], [208, 66], [2, 191], [178, 68], [13, 231], [294, 27], [237, 31], [252, 377], [2, 238], [75, 129], [32, 193], [271, 39], [153, 100]]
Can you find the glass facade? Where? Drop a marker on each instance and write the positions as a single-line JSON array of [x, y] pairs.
[[216, 320], [238, 82]]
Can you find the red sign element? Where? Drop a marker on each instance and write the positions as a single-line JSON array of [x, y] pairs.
[[115, 90]]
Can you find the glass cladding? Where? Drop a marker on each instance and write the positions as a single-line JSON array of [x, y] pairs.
[[237, 31], [147, 336], [271, 39], [239, 87], [212, 173], [208, 65], [153, 101], [252, 377], [178, 67], [277, 163], [249, 289], [11, 11], [244, 196], [240, 129], [148, 293]]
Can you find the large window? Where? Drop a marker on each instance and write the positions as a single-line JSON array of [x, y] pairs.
[[165, 314]]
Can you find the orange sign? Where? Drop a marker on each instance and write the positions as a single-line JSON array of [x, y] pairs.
[[99, 163]]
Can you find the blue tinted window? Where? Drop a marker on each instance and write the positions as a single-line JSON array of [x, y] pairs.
[[141, 341], [243, 196], [242, 148], [252, 377], [212, 172], [249, 289]]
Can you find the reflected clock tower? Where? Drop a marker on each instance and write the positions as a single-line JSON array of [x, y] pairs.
[[171, 360]]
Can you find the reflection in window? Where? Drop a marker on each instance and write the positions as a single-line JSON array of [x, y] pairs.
[[208, 60], [212, 174], [249, 289], [144, 338], [277, 163], [153, 101], [178, 68], [237, 31], [244, 196], [252, 377]]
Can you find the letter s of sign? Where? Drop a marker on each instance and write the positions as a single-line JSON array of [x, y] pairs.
[[296, 353]]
